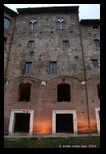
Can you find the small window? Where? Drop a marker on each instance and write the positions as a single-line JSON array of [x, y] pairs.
[[28, 68], [96, 43], [65, 44], [63, 92], [98, 90], [60, 24], [31, 44], [33, 24], [53, 68], [24, 92], [95, 27], [94, 63], [6, 23]]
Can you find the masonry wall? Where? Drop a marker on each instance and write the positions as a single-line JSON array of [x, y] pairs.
[[92, 74], [70, 70]]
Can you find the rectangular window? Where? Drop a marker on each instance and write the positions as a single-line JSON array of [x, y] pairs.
[[31, 44], [94, 63], [28, 68], [6, 23], [65, 44], [53, 68], [96, 43]]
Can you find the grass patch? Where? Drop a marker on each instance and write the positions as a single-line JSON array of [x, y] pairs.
[[69, 142]]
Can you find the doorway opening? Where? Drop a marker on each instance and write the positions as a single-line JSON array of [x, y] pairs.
[[21, 121], [64, 121]]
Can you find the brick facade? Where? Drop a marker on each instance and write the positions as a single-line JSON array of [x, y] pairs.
[[73, 69]]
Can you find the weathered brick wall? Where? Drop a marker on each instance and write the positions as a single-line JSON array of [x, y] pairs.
[[8, 34], [92, 74], [48, 47]]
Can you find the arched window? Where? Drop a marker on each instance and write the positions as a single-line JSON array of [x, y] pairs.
[[24, 92], [35, 25], [63, 92], [60, 24], [32, 24]]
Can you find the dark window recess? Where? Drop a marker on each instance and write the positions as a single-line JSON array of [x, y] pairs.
[[63, 92], [31, 44], [28, 68], [98, 90], [65, 44], [6, 23], [96, 43], [95, 63], [24, 92], [95, 27], [53, 68]]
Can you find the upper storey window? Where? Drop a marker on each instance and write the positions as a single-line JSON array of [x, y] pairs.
[[32, 24], [96, 43], [6, 23], [95, 27], [60, 24], [65, 44]]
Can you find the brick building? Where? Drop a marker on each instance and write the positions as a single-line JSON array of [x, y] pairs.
[[52, 71]]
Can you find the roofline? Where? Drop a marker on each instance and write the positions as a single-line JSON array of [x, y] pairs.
[[48, 9], [9, 10], [90, 21]]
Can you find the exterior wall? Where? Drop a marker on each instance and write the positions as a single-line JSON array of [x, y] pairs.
[[44, 100], [8, 34], [92, 74], [48, 47]]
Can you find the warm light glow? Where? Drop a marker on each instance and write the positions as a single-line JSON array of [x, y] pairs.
[[43, 129]]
